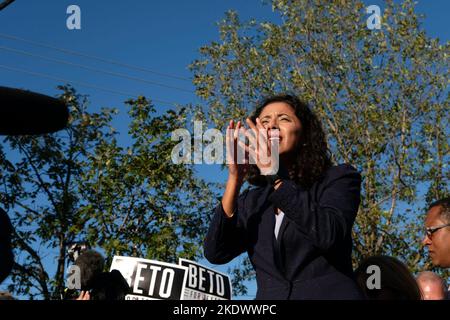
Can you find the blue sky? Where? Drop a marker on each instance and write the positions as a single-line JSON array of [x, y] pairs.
[[163, 36]]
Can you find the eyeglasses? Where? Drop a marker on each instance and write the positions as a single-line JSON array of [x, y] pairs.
[[429, 231]]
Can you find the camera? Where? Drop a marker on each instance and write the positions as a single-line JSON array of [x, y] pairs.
[[76, 249]]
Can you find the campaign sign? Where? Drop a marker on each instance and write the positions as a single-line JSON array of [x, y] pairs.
[[150, 279], [203, 283]]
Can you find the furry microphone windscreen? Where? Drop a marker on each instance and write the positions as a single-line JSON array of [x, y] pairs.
[[91, 264]]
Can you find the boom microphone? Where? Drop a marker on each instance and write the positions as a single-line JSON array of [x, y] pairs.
[[24, 113], [91, 264]]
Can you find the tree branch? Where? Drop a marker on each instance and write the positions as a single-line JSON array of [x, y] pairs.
[[38, 176], [33, 275], [41, 276], [23, 206]]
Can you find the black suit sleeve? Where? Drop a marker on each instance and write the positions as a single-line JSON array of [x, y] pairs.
[[225, 239], [329, 220]]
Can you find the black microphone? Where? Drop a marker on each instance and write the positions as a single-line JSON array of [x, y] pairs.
[[24, 112]]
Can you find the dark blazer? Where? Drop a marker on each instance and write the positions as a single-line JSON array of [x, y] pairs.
[[311, 259]]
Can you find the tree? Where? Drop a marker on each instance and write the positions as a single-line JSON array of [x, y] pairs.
[[140, 203], [40, 192], [79, 185], [382, 96]]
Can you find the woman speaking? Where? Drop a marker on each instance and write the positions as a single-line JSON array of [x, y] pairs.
[[296, 223]]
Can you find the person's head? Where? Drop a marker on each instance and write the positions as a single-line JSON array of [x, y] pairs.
[[303, 145], [431, 285], [91, 263], [437, 237], [6, 253], [393, 277]]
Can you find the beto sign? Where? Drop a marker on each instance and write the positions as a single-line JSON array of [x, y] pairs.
[[204, 283], [150, 279]]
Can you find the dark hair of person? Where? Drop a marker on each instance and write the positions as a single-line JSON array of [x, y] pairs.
[[445, 208], [91, 263], [397, 282], [101, 285], [312, 156]]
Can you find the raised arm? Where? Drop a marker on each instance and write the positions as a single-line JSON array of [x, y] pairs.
[[224, 240]]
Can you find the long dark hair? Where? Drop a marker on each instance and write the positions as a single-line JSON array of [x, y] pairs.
[[312, 154], [397, 282]]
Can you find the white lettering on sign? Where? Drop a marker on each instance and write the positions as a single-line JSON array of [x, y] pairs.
[[166, 281], [155, 271], [206, 280], [201, 279], [220, 284], [138, 278], [192, 276]]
